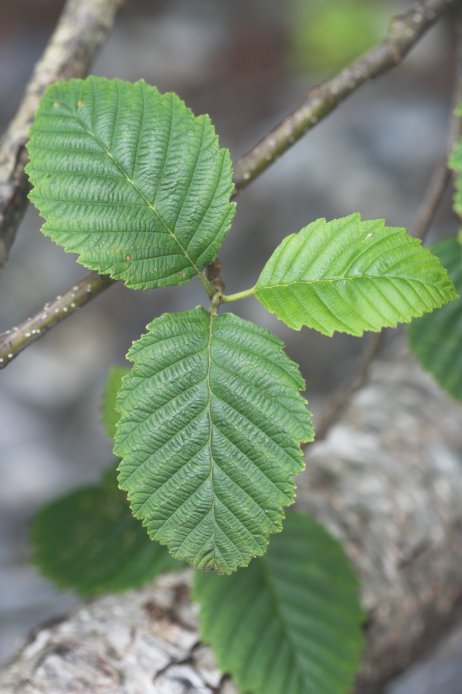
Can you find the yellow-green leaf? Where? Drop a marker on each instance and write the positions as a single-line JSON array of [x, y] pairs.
[[350, 275]]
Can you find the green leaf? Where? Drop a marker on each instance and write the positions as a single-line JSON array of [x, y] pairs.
[[351, 275], [209, 436], [291, 621], [130, 180], [455, 162], [89, 541], [436, 339], [108, 411]]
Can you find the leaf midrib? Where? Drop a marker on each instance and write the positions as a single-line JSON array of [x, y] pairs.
[[348, 278], [278, 609], [213, 464], [138, 190], [209, 414]]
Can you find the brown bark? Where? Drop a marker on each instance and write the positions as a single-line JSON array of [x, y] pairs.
[[387, 481]]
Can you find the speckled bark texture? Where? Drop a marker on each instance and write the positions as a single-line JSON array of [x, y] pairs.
[[387, 481], [144, 642], [81, 30]]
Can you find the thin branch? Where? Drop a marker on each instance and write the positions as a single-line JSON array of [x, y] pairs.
[[18, 338], [405, 31], [439, 182], [437, 187], [359, 379], [81, 30]]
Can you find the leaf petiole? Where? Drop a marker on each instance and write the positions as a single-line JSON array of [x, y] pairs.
[[227, 298]]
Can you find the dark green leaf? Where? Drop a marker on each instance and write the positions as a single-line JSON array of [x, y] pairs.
[[89, 541], [130, 180], [209, 436], [436, 339], [291, 622]]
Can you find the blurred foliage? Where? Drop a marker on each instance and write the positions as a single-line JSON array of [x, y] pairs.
[[327, 34]]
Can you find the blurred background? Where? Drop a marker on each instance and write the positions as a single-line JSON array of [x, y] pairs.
[[247, 64]]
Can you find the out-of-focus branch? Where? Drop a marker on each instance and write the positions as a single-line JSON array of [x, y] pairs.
[[81, 30], [439, 182], [404, 32], [359, 379]]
